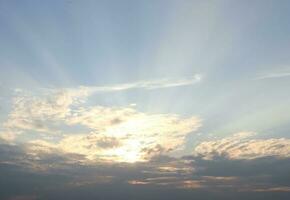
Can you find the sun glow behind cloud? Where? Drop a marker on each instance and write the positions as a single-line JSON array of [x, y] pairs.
[[115, 134], [57, 128], [137, 138]]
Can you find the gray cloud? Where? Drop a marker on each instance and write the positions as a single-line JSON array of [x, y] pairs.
[[58, 174]]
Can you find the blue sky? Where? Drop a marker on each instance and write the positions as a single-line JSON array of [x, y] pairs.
[[143, 79], [230, 44]]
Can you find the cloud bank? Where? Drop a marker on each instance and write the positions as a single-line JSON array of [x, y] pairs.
[[240, 146], [59, 141]]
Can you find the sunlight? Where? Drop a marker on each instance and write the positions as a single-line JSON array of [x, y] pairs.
[[130, 152]]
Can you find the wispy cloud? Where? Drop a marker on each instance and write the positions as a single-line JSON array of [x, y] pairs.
[[273, 75], [148, 85], [272, 189]]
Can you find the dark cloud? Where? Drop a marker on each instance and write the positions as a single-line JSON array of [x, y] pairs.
[[57, 175], [23, 197]]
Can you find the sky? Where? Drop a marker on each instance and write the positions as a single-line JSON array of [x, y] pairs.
[[155, 99]]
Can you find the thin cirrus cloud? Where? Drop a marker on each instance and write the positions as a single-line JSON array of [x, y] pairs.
[[273, 75], [149, 85]]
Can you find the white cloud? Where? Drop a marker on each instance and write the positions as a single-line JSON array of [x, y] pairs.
[[37, 147], [149, 85], [115, 133], [8, 136], [34, 111], [273, 75], [136, 138], [239, 146], [98, 118]]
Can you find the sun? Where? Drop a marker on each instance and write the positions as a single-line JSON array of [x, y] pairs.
[[142, 136], [129, 152], [129, 157]]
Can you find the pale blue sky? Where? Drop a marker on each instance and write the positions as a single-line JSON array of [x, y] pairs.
[[231, 44]]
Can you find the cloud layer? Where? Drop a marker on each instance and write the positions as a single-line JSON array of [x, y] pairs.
[[66, 144], [120, 134], [240, 146]]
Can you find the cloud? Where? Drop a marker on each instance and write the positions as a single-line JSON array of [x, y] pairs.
[[135, 137], [60, 172], [34, 111], [108, 142], [239, 146], [124, 147], [38, 147], [116, 134], [38, 110], [272, 189], [99, 118], [169, 182], [120, 134], [149, 85], [8, 136], [23, 197], [273, 75]]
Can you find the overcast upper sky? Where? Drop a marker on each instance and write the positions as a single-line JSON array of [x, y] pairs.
[[152, 99]]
